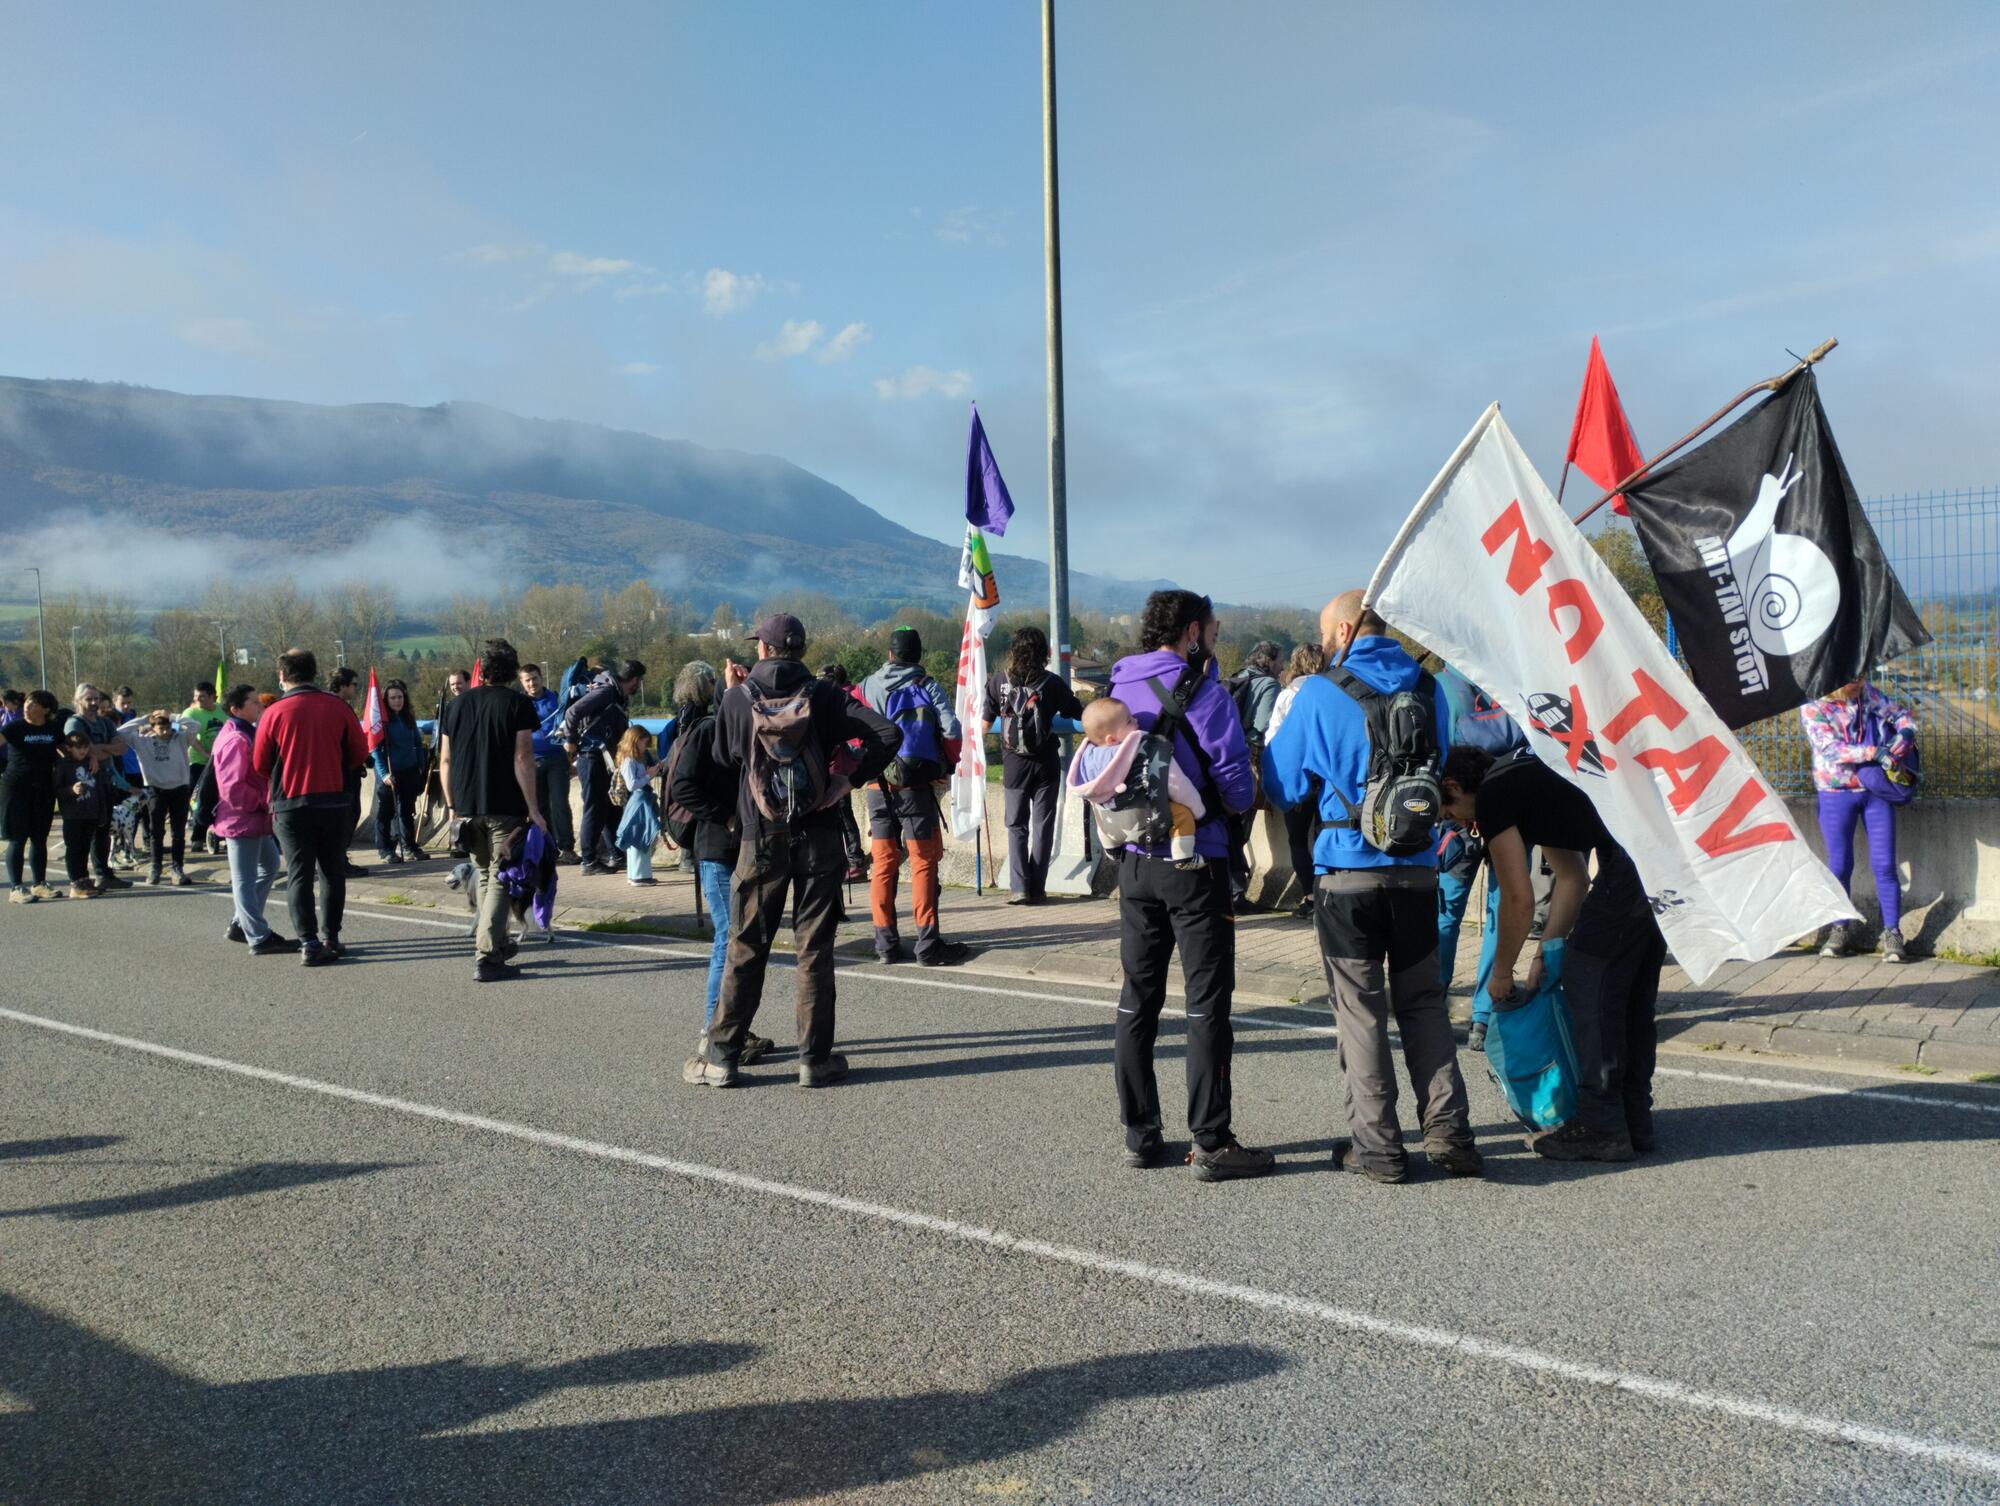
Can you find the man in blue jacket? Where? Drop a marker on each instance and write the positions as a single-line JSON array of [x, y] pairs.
[[1163, 905], [551, 763], [1376, 914]]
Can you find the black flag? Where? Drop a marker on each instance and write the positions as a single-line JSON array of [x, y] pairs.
[[1775, 582]]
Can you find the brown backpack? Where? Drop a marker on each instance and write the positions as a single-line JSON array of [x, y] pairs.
[[787, 769]]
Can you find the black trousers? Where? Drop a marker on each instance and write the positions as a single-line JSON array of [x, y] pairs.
[[169, 814], [1161, 908], [30, 812], [396, 812], [594, 781], [314, 841], [850, 835], [355, 779], [1301, 827], [1611, 983], [552, 789], [204, 799], [1031, 829], [806, 864], [78, 837]]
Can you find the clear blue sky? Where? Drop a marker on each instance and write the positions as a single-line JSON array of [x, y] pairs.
[[1304, 244]]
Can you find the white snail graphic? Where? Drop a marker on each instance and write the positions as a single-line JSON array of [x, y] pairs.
[[1790, 588]]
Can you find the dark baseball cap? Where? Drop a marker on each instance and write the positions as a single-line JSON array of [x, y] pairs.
[[906, 645], [782, 631]]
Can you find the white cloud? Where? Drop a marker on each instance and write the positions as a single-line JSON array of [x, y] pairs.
[[921, 381], [492, 253], [850, 339], [724, 292], [529, 300], [644, 290], [226, 334], [961, 227], [570, 264], [637, 368], [795, 338]]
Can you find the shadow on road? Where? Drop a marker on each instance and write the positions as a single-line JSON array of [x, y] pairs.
[[105, 1422], [245, 1181], [59, 1145]]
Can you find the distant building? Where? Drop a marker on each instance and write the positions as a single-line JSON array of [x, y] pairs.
[[1088, 676]]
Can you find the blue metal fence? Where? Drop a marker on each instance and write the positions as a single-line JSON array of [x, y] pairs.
[[1945, 548]]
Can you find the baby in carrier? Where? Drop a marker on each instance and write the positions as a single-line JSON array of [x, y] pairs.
[[1113, 772]]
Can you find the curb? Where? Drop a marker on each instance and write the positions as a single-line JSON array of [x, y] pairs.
[[1919, 1049]]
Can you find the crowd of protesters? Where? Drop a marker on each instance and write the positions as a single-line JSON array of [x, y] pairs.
[[756, 785]]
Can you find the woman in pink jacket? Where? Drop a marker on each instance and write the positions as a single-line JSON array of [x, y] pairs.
[[243, 820]]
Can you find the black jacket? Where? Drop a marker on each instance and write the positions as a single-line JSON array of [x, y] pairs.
[[837, 718], [705, 789], [597, 718], [1024, 770]]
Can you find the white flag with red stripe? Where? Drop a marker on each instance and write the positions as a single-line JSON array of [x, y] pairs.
[[968, 780], [373, 721], [1490, 574]]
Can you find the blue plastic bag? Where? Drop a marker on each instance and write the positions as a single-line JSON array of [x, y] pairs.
[[1530, 1052]]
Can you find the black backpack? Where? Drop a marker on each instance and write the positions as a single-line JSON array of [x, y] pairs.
[[1028, 728], [1401, 800]]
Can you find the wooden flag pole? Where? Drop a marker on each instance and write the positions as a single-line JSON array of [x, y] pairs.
[[1772, 384]]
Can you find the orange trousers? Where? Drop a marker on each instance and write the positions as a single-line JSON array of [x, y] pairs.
[[924, 854]]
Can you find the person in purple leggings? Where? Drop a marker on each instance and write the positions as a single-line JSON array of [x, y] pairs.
[[1863, 745]]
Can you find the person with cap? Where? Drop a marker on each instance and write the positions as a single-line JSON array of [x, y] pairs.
[[903, 811], [592, 727], [791, 741]]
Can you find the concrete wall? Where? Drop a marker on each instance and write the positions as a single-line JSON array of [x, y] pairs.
[[1948, 854]]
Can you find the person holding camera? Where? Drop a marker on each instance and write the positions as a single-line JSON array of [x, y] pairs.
[[903, 812]]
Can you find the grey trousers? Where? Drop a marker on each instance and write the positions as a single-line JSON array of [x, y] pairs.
[[1378, 939], [486, 843]]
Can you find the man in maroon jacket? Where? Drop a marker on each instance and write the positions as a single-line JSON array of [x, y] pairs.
[[306, 744]]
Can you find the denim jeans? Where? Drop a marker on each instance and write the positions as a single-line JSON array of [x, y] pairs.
[[715, 894], [253, 868], [1454, 891]]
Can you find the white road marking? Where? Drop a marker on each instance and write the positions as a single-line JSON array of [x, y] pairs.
[[905, 980], [1745, 1408]]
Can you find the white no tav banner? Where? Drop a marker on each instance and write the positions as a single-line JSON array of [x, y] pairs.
[[1489, 573]]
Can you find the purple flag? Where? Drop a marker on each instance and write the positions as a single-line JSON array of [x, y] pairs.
[[987, 504]]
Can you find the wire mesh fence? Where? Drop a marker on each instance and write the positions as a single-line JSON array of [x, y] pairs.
[[1945, 548]]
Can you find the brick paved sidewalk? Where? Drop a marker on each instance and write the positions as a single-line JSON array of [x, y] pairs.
[[1923, 1015]]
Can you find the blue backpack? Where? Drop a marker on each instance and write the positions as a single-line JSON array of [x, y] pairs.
[[920, 760], [1530, 1052]]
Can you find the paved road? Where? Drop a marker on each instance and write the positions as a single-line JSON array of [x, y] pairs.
[[397, 1238]]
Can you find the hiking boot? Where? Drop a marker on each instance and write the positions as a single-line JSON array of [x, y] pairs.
[[271, 944], [42, 891], [698, 1071], [1892, 946], [312, 954], [333, 946], [489, 971], [411, 855], [755, 1048], [1345, 1158], [1577, 1141], [591, 870], [1150, 1151], [112, 881], [828, 1069], [1229, 1161], [80, 891], [19, 895], [355, 870], [1475, 1038], [179, 880], [889, 956], [1836, 941], [1020, 899], [1643, 1141], [234, 933], [153, 880], [1459, 1160], [1303, 910], [944, 954]]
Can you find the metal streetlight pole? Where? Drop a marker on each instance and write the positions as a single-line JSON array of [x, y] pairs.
[[41, 626], [221, 648], [75, 676], [1052, 241], [340, 653]]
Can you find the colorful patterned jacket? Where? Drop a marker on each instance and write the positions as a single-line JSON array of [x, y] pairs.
[[1835, 729]]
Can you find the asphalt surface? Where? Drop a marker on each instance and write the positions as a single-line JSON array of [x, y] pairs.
[[934, 1282]]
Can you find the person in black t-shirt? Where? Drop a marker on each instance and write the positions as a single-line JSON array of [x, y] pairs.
[[1613, 952], [1028, 698], [28, 794], [487, 763]]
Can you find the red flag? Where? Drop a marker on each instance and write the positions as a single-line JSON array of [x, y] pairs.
[[372, 720], [473, 683], [1600, 441]]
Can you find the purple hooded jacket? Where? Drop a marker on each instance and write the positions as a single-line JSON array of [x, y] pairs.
[[1214, 725]]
